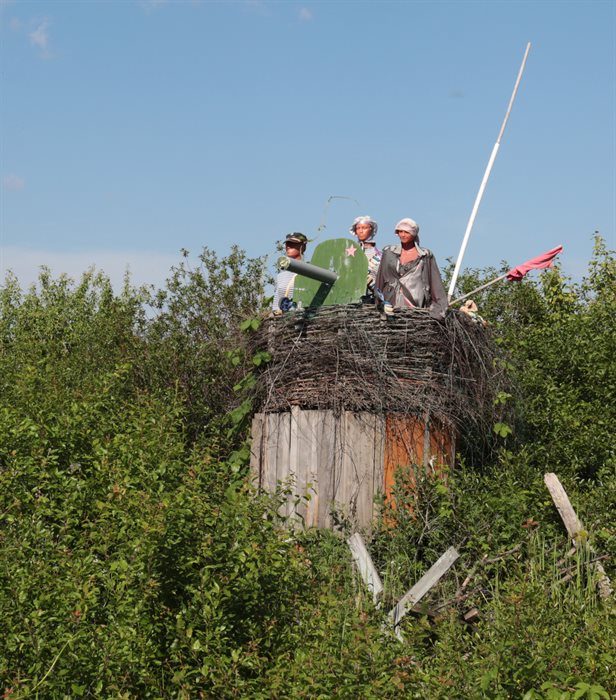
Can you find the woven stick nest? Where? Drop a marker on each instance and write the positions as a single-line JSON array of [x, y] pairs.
[[353, 358]]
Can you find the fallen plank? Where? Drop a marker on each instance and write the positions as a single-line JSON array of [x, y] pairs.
[[425, 583], [365, 566], [574, 527], [563, 505]]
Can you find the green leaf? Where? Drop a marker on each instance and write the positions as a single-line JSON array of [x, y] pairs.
[[502, 429]]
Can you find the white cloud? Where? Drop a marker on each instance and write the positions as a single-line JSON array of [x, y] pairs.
[[144, 267], [13, 183], [305, 14], [40, 38]]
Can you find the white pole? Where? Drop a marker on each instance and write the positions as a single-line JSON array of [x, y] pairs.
[[478, 289], [486, 176]]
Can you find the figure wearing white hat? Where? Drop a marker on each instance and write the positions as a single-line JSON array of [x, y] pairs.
[[408, 276], [364, 228]]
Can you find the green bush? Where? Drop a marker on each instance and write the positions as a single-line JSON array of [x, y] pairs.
[[136, 561]]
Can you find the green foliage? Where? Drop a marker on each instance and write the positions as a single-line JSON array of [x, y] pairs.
[[194, 342], [136, 561], [560, 339]]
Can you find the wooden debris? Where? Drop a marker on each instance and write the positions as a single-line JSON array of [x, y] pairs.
[[563, 505], [471, 615], [419, 590], [365, 566], [575, 528]]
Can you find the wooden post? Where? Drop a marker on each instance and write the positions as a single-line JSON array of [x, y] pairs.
[[574, 527], [425, 583], [365, 566]]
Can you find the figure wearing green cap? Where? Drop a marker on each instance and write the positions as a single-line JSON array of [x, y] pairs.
[[294, 248]]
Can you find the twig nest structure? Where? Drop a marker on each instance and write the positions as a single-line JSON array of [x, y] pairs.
[[351, 358]]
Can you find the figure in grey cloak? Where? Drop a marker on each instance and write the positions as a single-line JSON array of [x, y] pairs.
[[408, 276]]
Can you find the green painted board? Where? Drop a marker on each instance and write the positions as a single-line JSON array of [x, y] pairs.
[[344, 257]]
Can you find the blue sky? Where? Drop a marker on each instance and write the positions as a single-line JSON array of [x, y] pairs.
[[132, 129]]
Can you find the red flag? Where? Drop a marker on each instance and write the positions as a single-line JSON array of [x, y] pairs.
[[538, 263]]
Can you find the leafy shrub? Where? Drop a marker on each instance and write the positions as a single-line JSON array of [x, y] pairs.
[[136, 560], [195, 328]]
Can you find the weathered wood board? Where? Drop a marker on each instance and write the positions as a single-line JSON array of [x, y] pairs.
[[335, 467], [574, 527], [365, 566], [425, 583]]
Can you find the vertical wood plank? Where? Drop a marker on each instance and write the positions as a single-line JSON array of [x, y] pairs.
[[350, 473], [348, 481], [269, 469], [282, 448], [306, 440], [442, 443], [313, 487], [427, 442], [328, 467], [294, 419], [378, 476], [404, 443], [257, 446], [340, 481], [363, 463]]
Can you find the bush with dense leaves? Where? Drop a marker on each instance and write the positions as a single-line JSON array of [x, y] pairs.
[[136, 560]]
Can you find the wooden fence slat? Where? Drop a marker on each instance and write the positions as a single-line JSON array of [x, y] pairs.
[[312, 470], [298, 460], [425, 583], [365, 566], [359, 440], [282, 448], [342, 486], [574, 526], [378, 475], [272, 422], [257, 459], [361, 447], [327, 465]]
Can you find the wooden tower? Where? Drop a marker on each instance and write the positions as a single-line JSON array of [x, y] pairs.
[[350, 396]]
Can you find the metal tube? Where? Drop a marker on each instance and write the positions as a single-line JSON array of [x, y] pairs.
[[307, 270]]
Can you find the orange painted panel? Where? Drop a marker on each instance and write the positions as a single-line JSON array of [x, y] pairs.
[[409, 441]]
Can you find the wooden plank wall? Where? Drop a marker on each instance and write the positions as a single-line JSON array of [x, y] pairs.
[[335, 467]]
